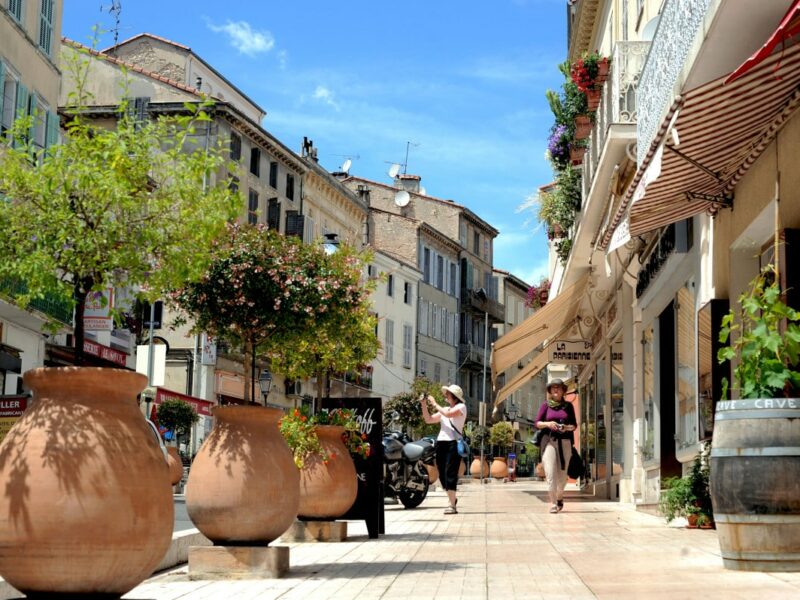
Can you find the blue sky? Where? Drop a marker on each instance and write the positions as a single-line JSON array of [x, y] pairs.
[[463, 81]]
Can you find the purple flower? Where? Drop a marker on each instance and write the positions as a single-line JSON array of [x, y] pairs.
[[558, 144]]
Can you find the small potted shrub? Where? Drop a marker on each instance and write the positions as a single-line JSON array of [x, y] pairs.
[[501, 435]]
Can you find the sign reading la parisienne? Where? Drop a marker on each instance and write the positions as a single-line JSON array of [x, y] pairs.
[[571, 352]]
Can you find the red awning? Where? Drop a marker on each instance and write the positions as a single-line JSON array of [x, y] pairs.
[[201, 407], [790, 26]]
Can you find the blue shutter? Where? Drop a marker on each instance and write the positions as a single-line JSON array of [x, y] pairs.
[[2, 88], [51, 135], [22, 101], [32, 111], [46, 25]]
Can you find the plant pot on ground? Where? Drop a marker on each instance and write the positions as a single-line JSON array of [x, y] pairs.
[[753, 479]]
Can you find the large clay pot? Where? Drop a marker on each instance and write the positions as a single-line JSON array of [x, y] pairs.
[[328, 490], [433, 473], [499, 468], [175, 465], [462, 467], [86, 505], [475, 468], [243, 487]]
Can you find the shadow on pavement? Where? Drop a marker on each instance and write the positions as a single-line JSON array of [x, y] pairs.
[[422, 536], [368, 570]]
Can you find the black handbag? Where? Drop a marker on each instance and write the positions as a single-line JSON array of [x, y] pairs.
[[576, 468], [538, 437]]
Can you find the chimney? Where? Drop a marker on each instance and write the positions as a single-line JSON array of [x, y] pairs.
[[409, 183]]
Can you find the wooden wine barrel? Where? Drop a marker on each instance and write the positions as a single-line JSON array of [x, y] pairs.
[[755, 483]]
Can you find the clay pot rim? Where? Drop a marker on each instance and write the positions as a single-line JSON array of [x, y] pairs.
[[244, 412], [43, 372]]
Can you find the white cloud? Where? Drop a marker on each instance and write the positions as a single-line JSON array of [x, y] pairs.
[[244, 38], [324, 95]]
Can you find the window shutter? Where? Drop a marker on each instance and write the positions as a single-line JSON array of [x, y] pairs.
[[22, 101], [274, 214], [15, 8], [46, 25], [2, 87], [32, 110], [294, 223], [52, 127], [308, 233]]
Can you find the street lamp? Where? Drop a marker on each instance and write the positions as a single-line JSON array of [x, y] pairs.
[[265, 382], [481, 295], [512, 413], [331, 243]]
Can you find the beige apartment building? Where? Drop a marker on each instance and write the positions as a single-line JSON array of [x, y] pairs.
[[30, 41]]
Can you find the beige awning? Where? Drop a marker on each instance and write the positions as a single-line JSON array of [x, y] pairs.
[[722, 130], [547, 322], [538, 363]]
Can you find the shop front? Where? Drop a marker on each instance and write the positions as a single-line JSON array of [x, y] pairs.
[[202, 428]]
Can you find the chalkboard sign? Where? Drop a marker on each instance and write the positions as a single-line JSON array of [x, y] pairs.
[[369, 502]]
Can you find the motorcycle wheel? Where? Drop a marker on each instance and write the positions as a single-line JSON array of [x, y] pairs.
[[413, 498]]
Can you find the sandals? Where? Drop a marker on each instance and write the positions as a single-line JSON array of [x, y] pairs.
[[553, 509], [450, 510], [560, 505]]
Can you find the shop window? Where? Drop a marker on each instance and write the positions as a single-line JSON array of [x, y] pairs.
[[617, 410], [648, 436], [709, 370]]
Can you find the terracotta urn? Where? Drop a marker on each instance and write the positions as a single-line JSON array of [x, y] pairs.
[[328, 489], [243, 487], [475, 468], [86, 506], [433, 473], [462, 467], [593, 99], [499, 468], [175, 465], [583, 127]]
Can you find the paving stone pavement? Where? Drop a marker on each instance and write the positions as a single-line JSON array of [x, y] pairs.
[[502, 545]]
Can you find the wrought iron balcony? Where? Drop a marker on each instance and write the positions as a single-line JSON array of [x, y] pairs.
[[478, 303], [680, 20], [471, 353], [53, 307], [618, 103]]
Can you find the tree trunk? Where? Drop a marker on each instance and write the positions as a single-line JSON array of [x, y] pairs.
[[249, 357], [80, 292]]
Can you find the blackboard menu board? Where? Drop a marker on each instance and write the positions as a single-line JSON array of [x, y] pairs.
[[369, 502]]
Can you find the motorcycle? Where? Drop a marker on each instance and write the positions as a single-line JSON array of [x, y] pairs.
[[405, 477]]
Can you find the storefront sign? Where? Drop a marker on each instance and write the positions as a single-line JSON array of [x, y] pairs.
[[201, 407], [104, 352], [208, 354], [97, 311], [570, 352], [11, 409]]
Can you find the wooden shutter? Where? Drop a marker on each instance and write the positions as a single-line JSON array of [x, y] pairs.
[[52, 127], [46, 26], [294, 223], [2, 88], [274, 214]]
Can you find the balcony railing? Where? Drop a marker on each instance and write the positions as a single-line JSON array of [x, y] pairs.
[[51, 306], [472, 302], [470, 353], [618, 103], [680, 20]]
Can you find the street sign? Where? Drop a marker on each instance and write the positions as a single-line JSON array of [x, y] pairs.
[[570, 352], [369, 502]]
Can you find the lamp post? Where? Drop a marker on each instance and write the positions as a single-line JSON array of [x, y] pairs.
[[331, 243], [481, 294], [265, 382]]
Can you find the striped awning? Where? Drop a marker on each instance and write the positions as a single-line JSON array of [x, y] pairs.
[[547, 322], [539, 362], [721, 131]]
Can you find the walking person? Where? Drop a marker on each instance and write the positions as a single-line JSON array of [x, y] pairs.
[[557, 417], [451, 419]]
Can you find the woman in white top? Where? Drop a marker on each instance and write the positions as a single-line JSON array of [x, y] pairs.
[[451, 421]]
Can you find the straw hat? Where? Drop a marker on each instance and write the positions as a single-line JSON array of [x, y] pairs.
[[455, 390], [558, 382]]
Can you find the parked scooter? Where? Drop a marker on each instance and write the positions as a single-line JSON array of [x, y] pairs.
[[405, 477]]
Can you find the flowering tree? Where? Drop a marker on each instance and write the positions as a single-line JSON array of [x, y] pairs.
[[537, 294], [272, 294], [133, 206]]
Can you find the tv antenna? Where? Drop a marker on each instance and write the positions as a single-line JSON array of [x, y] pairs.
[[114, 9], [405, 164]]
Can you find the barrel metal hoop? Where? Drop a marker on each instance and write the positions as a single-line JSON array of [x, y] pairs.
[[765, 556], [757, 519], [761, 414], [790, 404], [770, 451]]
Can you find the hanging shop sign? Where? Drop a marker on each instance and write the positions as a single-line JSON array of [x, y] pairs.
[[570, 352], [201, 407], [97, 311], [100, 351], [11, 409]]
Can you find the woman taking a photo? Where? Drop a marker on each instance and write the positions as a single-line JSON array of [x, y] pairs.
[[451, 419], [557, 417]]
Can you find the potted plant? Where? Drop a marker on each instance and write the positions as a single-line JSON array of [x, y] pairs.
[[576, 151], [501, 435], [538, 294], [112, 207], [590, 71], [478, 436], [758, 530], [322, 445], [677, 498], [178, 417]]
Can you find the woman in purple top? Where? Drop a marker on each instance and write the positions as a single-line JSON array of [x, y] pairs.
[[557, 417]]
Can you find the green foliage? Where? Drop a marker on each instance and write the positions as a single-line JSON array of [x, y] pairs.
[[134, 206], [308, 311], [563, 248], [476, 434], [557, 208], [690, 495], [177, 416], [409, 412], [767, 351], [501, 435], [299, 429]]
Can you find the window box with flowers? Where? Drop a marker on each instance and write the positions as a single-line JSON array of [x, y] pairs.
[[538, 294], [590, 71], [322, 446]]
